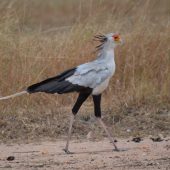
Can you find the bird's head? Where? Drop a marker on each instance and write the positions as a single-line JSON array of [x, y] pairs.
[[110, 40], [114, 38]]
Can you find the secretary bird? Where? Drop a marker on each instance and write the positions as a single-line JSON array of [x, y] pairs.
[[87, 79]]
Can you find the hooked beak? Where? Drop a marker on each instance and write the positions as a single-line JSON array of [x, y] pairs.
[[117, 39]]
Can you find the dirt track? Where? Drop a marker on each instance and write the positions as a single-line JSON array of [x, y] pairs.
[[87, 155]]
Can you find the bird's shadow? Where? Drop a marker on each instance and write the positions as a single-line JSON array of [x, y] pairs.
[[97, 152]]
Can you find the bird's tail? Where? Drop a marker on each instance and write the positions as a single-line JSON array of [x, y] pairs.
[[13, 95]]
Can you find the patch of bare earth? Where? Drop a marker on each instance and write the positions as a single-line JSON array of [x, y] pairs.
[[48, 155]]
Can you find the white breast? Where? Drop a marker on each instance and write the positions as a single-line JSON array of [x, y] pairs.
[[108, 61], [100, 88]]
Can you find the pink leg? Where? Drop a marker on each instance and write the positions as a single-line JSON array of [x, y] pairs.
[[108, 134], [69, 135]]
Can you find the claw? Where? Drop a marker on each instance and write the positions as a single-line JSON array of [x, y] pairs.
[[67, 151], [116, 149]]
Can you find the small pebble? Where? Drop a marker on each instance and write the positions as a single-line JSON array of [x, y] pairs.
[[137, 139], [10, 158], [128, 130]]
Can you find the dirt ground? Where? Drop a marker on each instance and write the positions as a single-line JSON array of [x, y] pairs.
[[48, 155]]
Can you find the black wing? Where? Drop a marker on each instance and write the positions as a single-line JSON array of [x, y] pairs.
[[57, 84]]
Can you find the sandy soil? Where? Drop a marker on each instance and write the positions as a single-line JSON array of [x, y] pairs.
[[87, 155]]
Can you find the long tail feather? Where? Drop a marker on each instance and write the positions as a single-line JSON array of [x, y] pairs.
[[55, 84], [13, 95]]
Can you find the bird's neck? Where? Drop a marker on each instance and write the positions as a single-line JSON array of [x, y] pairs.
[[107, 53], [108, 46], [107, 50]]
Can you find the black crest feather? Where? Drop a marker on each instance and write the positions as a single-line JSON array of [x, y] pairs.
[[100, 38]]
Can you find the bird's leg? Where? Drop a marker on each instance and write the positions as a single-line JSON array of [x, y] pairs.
[[108, 133], [81, 98], [69, 134], [97, 110]]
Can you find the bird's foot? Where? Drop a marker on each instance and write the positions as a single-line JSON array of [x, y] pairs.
[[67, 151], [116, 149]]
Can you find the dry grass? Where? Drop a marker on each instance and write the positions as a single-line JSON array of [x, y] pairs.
[[39, 39]]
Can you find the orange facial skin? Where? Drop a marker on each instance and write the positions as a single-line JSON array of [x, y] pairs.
[[116, 37]]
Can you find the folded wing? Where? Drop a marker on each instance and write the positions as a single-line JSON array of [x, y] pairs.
[[90, 75], [80, 79]]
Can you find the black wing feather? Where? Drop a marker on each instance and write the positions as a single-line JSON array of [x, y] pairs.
[[58, 84]]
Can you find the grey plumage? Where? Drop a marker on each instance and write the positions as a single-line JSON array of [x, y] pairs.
[[92, 74], [96, 74]]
